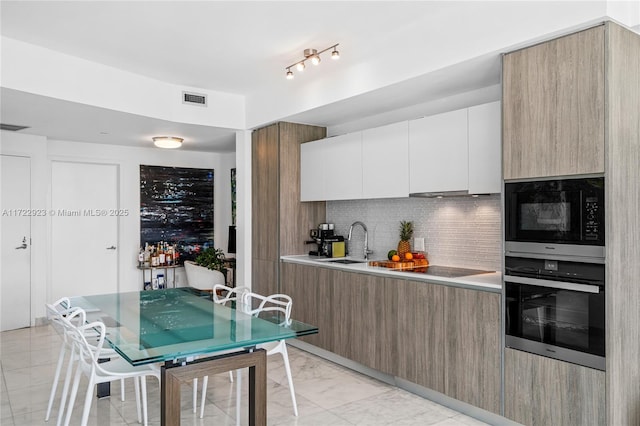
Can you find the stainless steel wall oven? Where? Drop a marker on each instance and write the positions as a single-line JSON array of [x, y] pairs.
[[555, 308]]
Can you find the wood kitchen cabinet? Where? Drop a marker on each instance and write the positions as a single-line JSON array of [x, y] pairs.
[[443, 338], [438, 153], [355, 313], [544, 391], [553, 107], [311, 290], [472, 347], [280, 222], [364, 327], [420, 332]]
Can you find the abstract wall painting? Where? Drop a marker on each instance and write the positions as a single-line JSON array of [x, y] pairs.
[[176, 206]]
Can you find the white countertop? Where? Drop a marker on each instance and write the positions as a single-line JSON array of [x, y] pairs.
[[485, 282]]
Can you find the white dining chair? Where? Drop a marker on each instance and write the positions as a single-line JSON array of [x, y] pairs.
[[222, 295], [56, 312], [279, 303], [256, 304], [115, 369]]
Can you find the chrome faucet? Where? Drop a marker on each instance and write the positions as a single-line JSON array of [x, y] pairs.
[[367, 252]]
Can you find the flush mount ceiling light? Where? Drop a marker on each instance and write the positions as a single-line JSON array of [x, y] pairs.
[[314, 56], [169, 142]]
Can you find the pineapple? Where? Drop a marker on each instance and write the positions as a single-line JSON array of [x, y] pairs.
[[406, 232]]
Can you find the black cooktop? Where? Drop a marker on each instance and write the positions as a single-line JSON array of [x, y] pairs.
[[448, 271]]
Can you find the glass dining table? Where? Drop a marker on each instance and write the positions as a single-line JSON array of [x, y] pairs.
[[172, 326]]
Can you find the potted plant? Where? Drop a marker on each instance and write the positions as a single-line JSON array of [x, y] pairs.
[[207, 270]]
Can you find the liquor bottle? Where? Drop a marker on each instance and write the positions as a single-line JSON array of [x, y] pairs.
[[154, 257], [161, 254], [176, 255], [169, 256], [147, 255], [140, 258]]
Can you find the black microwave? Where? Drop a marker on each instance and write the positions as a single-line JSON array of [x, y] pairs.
[[556, 216]]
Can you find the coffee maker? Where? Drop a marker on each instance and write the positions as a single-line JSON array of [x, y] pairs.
[[324, 237]]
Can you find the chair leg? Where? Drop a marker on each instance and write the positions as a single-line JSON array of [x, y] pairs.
[[203, 398], [65, 388], [238, 395], [287, 367], [56, 377], [136, 384], [87, 403], [143, 390], [231, 376], [195, 395], [74, 392], [122, 390]]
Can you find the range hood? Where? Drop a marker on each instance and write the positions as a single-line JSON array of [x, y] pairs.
[[441, 194]]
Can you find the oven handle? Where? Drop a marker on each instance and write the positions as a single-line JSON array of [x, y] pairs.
[[584, 288]]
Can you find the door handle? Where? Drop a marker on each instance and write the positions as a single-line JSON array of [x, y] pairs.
[[111, 248], [24, 244]]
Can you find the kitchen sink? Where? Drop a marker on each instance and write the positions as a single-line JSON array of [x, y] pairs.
[[347, 261]]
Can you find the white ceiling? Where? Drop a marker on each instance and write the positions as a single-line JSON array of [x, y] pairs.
[[243, 47]]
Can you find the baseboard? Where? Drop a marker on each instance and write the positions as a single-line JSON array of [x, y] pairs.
[[38, 322]]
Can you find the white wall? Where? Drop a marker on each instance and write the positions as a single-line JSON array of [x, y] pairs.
[[43, 151], [243, 213]]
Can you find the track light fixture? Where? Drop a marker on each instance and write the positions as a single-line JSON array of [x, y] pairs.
[[314, 56]]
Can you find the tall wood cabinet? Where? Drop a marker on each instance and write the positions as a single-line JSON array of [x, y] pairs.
[[572, 106], [280, 222], [553, 107]]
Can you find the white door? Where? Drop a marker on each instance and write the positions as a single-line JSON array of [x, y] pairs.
[[15, 289], [84, 234]]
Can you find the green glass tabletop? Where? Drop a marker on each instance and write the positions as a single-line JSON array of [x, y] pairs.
[[161, 325]]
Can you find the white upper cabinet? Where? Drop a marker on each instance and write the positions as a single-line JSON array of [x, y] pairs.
[[342, 167], [311, 171], [385, 161], [454, 151], [331, 168], [438, 153], [485, 154]]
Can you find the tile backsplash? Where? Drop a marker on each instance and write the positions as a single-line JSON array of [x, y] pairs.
[[458, 231]]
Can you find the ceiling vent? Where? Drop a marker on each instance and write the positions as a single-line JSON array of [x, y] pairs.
[[194, 99], [12, 127]]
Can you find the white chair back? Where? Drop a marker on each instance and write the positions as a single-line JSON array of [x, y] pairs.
[[56, 311], [273, 303], [232, 293]]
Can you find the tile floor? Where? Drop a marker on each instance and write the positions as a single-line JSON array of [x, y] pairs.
[[327, 394]]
